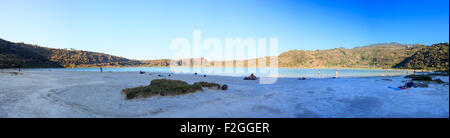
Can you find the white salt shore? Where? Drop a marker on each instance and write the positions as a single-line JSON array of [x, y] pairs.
[[93, 94]]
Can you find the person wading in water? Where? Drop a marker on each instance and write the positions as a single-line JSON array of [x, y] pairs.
[[319, 73]]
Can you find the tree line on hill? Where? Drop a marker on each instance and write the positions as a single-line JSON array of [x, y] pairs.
[[434, 57], [378, 56], [29, 56], [387, 55]]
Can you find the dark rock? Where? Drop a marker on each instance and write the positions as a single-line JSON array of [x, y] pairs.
[[224, 87]]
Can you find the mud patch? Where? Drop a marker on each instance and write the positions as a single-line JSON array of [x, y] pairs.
[[265, 109], [268, 95], [310, 92], [305, 113], [326, 98], [157, 111], [330, 90], [362, 105]]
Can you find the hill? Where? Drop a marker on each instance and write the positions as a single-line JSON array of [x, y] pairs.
[[27, 56], [434, 57], [14, 55], [377, 55], [385, 55]]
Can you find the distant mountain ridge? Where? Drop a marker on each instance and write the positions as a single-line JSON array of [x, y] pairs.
[[384, 55]]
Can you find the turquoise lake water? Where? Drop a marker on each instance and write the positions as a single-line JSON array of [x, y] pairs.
[[229, 71]]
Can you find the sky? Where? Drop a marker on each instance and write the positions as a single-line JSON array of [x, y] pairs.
[[144, 29]]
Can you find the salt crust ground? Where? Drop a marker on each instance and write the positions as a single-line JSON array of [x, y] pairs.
[[93, 94]]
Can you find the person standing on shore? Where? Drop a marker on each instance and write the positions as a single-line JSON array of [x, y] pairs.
[[337, 74], [101, 69]]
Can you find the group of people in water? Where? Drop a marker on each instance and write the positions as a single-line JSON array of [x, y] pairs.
[[320, 75]]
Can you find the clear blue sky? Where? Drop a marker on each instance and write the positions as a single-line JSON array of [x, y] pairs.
[[143, 29]]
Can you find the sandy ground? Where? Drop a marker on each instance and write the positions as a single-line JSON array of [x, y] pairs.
[[94, 94]]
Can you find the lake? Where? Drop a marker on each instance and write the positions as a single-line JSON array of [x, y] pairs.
[[240, 72]]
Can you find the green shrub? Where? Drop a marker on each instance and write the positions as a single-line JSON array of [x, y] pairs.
[[165, 87], [142, 91], [208, 84]]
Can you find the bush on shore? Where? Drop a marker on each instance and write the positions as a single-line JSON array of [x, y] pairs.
[[165, 87], [419, 77], [426, 79], [207, 84]]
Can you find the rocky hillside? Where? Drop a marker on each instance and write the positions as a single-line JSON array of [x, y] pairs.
[[434, 57], [26, 55], [14, 55], [388, 55], [378, 55]]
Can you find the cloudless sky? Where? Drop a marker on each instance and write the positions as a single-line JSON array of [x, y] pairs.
[[143, 29]]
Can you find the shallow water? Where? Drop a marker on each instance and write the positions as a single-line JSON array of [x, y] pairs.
[[229, 71]]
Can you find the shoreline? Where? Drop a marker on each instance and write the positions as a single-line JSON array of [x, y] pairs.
[[313, 77], [288, 77]]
